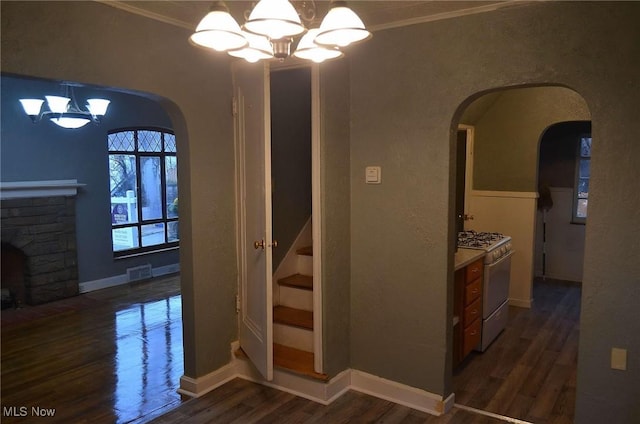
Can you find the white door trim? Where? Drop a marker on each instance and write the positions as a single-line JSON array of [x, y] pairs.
[[468, 172], [316, 217]]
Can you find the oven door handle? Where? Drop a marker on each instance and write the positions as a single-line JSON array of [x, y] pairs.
[[502, 258]]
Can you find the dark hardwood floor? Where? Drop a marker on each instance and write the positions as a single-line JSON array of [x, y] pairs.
[[109, 356], [529, 372], [115, 356]]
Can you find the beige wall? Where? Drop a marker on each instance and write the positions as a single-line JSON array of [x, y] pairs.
[[507, 135]]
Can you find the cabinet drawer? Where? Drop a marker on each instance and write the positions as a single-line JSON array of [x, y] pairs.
[[474, 270], [472, 336], [473, 311], [472, 291]]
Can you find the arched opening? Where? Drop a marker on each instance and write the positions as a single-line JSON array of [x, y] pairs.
[[42, 151], [529, 354], [66, 265]]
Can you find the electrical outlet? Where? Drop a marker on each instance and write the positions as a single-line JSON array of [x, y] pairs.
[[618, 359]]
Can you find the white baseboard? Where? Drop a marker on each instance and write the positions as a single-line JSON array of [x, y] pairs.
[[196, 387], [116, 280], [400, 393], [320, 391]]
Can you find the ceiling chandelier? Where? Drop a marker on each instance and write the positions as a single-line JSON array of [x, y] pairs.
[[64, 111], [270, 27]]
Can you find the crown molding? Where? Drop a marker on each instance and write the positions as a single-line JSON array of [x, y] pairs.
[[453, 14]]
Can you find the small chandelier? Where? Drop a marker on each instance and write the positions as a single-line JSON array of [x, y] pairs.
[[270, 27], [64, 111]]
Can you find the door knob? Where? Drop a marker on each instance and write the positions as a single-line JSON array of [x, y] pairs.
[[468, 217], [274, 244], [258, 244]]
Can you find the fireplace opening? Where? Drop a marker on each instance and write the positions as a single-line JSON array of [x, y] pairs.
[[13, 270]]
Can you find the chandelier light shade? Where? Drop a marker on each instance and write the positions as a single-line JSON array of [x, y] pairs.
[[271, 27], [32, 106], [308, 49], [219, 31], [258, 48], [275, 19], [64, 111], [341, 27]]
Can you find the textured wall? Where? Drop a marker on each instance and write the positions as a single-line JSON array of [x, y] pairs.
[[336, 209], [408, 84], [507, 136], [109, 47]]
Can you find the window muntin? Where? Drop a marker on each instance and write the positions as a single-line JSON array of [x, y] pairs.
[[144, 190], [583, 175]]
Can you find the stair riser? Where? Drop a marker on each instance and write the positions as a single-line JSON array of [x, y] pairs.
[[292, 336], [305, 265], [296, 298]]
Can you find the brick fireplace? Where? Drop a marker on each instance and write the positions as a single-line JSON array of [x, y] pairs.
[[38, 226]]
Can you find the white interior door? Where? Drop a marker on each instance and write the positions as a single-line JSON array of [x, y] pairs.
[[253, 156]]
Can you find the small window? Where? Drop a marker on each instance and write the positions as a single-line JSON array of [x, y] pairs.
[[144, 190], [583, 173]]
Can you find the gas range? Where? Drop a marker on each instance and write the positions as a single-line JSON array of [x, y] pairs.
[[496, 245]]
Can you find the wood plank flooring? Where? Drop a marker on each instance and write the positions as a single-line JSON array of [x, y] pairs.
[[110, 356], [529, 372], [116, 356]]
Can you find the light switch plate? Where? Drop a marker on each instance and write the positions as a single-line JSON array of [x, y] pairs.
[[373, 175], [618, 359]]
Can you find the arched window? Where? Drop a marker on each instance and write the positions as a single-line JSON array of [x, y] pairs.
[[144, 190]]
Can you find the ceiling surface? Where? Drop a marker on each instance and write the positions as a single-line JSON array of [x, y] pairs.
[[375, 14]]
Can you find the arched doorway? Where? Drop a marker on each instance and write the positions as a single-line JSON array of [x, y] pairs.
[[511, 374]]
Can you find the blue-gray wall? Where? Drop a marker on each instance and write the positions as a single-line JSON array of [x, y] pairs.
[[44, 151]]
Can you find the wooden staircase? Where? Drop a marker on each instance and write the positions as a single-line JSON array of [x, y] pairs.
[[293, 319]]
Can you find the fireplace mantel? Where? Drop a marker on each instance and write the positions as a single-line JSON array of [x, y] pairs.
[[30, 189]]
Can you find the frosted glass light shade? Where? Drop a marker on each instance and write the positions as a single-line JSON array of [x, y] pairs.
[[219, 31], [97, 107], [309, 50], [341, 27], [57, 104], [32, 106], [259, 48], [71, 121], [275, 19]]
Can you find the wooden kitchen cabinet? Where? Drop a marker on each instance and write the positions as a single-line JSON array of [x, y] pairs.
[[468, 309]]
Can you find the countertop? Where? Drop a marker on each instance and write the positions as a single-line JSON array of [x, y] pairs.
[[464, 257]]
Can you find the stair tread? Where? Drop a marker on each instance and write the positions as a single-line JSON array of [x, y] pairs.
[[299, 281], [306, 250], [295, 360], [294, 317], [289, 358]]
